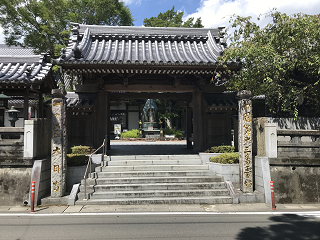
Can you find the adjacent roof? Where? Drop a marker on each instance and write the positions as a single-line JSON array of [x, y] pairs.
[[92, 44], [80, 100], [221, 101], [20, 65]]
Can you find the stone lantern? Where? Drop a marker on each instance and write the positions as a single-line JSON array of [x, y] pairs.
[[13, 116]]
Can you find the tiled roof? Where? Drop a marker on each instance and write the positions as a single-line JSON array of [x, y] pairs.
[[221, 100], [142, 46], [20, 65]]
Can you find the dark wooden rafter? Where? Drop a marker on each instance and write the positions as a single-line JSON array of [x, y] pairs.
[[126, 96]]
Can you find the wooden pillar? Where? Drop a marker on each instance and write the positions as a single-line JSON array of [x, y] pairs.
[[189, 125], [107, 118], [40, 109], [100, 118], [26, 105], [198, 131]]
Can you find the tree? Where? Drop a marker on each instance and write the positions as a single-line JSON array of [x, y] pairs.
[[280, 60], [167, 111], [45, 25], [172, 18]]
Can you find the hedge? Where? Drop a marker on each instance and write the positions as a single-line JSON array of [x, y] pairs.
[[226, 158], [221, 149]]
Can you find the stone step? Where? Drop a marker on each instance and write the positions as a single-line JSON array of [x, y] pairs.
[[173, 179], [151, 168], [151, 157], [164, 200], [156, 186], [159, 193], [153, 174], [153, 162]]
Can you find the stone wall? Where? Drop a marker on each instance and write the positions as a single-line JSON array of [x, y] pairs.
[[11, 146], [296, 180], [301, 123], [14, 185], [258, 145]]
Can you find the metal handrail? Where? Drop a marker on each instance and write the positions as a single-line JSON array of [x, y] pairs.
[[89, 163]]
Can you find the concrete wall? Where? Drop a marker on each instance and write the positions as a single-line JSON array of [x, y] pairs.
[[229, 172], [262, 177], [14, 185], [41, 174], [296, 180], [75, 175]]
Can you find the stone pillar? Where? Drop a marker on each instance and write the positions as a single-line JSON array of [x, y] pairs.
[[58, 144], [245, 140], [198, 133]]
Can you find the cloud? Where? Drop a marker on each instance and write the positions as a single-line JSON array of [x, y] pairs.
[[216, 13], [128, 2]]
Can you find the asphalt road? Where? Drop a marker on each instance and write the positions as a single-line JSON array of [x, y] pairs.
[[145, 226]]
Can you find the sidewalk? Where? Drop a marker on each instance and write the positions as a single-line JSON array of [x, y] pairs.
[[219, 208]]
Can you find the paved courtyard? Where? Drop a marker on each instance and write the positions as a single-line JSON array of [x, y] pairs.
[[119, 147]]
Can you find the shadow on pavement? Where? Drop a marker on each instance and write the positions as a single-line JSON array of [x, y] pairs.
[[140, 149], [288, 226]]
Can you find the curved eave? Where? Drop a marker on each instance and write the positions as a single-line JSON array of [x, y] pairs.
[[130, 49], [24, 73]]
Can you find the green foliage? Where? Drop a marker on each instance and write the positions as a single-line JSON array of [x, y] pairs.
[[171, 18], [173, 131], [77, 155], [45, 25], [167, 110], [81, 150], [134, 133], [226, 158], [280, 60], [221, 149], [77, 159]]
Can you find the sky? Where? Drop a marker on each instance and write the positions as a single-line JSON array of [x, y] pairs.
[[216, 13]]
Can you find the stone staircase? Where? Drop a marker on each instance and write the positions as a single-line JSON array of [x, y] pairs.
[[154, 179]]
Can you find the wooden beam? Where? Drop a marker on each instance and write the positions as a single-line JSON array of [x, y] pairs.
[[125, 96], [149, 88]]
